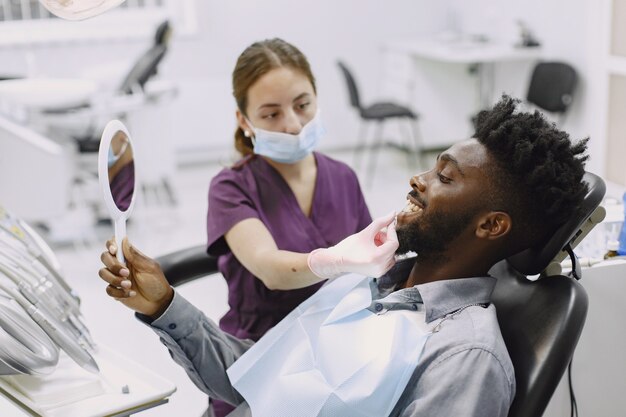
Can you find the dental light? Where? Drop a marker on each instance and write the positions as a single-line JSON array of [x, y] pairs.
[[79, 9]]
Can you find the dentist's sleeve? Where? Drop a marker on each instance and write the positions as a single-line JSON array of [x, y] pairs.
[[200, 347]]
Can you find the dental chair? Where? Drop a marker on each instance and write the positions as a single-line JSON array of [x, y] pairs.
[[541, 320]]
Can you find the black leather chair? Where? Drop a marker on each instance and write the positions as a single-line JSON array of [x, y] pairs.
[[552, 86], [541, 320], [380, 112]]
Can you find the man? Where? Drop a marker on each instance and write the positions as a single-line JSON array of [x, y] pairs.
[[487, 198]]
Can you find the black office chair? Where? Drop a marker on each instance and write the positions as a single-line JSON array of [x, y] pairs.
[[541, 321], [552, 86], [380, 112], [147, 64]]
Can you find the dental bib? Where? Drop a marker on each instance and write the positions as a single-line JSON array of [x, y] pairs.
[[331, 357]]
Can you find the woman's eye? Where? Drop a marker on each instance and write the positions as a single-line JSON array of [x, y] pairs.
[[443, 178], [303, 106], [270, 116]]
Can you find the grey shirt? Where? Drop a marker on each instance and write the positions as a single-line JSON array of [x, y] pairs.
[[465, 369]]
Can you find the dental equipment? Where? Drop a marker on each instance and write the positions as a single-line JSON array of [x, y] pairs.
[[54, 330], [46, 303], [79, 9], [24, 347], [34, 245], [17, 237]]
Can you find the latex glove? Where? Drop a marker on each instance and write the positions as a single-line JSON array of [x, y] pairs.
[[369, 252], [140, 285]]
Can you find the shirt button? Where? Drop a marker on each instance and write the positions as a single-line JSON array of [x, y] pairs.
[[172, 326], [414, 307], [378, 307]]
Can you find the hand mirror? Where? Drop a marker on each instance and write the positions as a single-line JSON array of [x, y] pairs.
[[116, 172]]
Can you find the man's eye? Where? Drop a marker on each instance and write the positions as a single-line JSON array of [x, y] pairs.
[[443, 178]]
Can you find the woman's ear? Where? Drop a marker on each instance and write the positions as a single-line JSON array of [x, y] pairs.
[[243, 124], [494, 225]]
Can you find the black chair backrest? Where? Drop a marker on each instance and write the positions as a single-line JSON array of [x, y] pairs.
[[552, 86], [534, 260], [146, 66], [541, 321], [353, 91], [187, 264]]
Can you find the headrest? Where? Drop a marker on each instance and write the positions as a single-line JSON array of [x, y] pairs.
[[534, 260]]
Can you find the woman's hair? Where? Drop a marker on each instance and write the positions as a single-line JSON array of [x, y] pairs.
[[255, 61]]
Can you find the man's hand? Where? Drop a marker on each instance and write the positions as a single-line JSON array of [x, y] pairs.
[[140, 285]]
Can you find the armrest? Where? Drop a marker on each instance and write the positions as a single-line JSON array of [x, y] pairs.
[[187, 264]]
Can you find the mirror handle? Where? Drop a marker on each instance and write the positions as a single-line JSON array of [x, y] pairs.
[[120, 234]]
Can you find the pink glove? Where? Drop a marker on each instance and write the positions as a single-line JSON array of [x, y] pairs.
[[369, 252]]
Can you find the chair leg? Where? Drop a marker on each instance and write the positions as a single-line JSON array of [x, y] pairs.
[[361, 144], [374, 150]]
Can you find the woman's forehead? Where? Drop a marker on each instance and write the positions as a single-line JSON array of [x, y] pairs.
[[279, 85]]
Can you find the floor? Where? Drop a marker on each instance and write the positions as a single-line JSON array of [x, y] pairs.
[[158, 228]]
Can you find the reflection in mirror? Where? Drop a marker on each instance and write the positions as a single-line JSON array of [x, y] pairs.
[[116, 172], [121, 170]]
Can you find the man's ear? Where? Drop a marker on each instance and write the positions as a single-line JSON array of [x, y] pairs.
[[243, 123], [494, 225]]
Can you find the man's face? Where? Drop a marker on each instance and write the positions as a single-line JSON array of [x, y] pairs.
[[445, 200]]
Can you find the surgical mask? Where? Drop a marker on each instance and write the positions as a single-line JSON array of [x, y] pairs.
[[287, 148], [112, 157]]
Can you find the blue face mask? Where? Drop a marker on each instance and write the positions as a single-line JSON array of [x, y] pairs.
[[287, 148]]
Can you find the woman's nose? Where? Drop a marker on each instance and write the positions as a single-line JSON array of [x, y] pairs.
[[293, 125]]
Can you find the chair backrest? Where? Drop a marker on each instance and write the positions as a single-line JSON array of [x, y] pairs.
[[552, 86], [541, 321], [187, 265], [146, 66], [353, 91]]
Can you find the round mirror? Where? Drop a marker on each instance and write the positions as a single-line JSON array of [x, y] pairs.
[[116, 172], [79, 9]]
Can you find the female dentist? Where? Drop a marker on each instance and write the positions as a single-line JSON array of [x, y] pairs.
[[280, 201]]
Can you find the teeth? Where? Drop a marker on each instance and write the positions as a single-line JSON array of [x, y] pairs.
[[411, 208]]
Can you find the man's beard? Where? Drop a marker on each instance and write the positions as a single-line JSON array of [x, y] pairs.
[[430, 234]]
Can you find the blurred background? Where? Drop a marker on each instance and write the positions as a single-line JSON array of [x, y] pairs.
[[164, 68]]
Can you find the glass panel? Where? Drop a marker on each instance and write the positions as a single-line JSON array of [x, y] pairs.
[[616, 143], [618, 28]]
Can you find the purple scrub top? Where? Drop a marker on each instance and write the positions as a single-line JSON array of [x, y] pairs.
[[123, 186], [254, 189]]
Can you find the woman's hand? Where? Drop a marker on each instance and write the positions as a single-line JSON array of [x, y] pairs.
[[140, 285], [369, 252]]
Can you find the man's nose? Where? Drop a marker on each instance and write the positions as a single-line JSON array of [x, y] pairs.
[[293, 125], [417, 183]]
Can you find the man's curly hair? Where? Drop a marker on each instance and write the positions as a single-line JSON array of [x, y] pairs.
[[537, 175]]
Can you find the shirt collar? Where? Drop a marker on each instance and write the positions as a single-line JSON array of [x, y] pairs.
[[439, 297]]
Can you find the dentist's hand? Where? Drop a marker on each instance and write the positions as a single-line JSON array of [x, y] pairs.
[[140, 285], [369, 252]]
